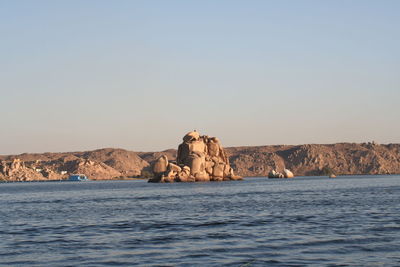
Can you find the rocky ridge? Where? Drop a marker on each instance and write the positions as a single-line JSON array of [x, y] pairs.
[[101, 164], [317, 159], [109, 163]]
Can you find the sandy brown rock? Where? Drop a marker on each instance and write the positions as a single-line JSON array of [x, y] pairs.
[[287, 173], [199, 158], [16, 170], [161, 165], [128, 163], [94, 170], [151, 157], [104, 164], [340, 158]]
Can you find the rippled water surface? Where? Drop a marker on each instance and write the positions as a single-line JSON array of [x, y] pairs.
[[346, 221]]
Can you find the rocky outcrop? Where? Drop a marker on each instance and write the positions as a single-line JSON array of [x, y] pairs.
[[17, 171], [101, 164], [309, 160], [199, 159]]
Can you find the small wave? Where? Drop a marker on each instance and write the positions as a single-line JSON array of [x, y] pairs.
[[215, 223]]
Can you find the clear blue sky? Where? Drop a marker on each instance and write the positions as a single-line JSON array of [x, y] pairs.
[[80, 75]]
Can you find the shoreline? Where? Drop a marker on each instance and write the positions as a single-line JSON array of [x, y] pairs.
[[244, 178]]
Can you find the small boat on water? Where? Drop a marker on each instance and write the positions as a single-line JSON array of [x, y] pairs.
[[78, 177]]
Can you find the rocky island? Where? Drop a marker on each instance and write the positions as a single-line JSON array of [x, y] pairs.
[[199, 159]]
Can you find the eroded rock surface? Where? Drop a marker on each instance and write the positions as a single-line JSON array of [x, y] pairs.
[[199, 159], [16, 170], [317, 159], [101, 164]]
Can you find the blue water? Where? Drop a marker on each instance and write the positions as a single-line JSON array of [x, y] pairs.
[[346, 221]]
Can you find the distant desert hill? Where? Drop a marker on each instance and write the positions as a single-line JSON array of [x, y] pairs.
[[316, 159], [110, 163], [107, 163]]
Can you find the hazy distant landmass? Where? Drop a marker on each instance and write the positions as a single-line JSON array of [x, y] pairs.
[[110, 163]]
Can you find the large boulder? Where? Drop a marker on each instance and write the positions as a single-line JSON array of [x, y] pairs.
[[161, 165], [288, 174], [174, 167], [191, 136]]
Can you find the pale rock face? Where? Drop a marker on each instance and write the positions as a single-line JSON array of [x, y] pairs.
[[183, 177], [196, 163], [17, 171], [186, 169], [202, 177], [171, 174], [3, 167], [95, 170], [218, 170], [198, 146], [209, 166], [191, 136], [161, 165], [174, 167], [213, 148], [200, 159], [286, 174]]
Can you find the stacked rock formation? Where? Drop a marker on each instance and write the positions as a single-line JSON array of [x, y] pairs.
[[199, 159]]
